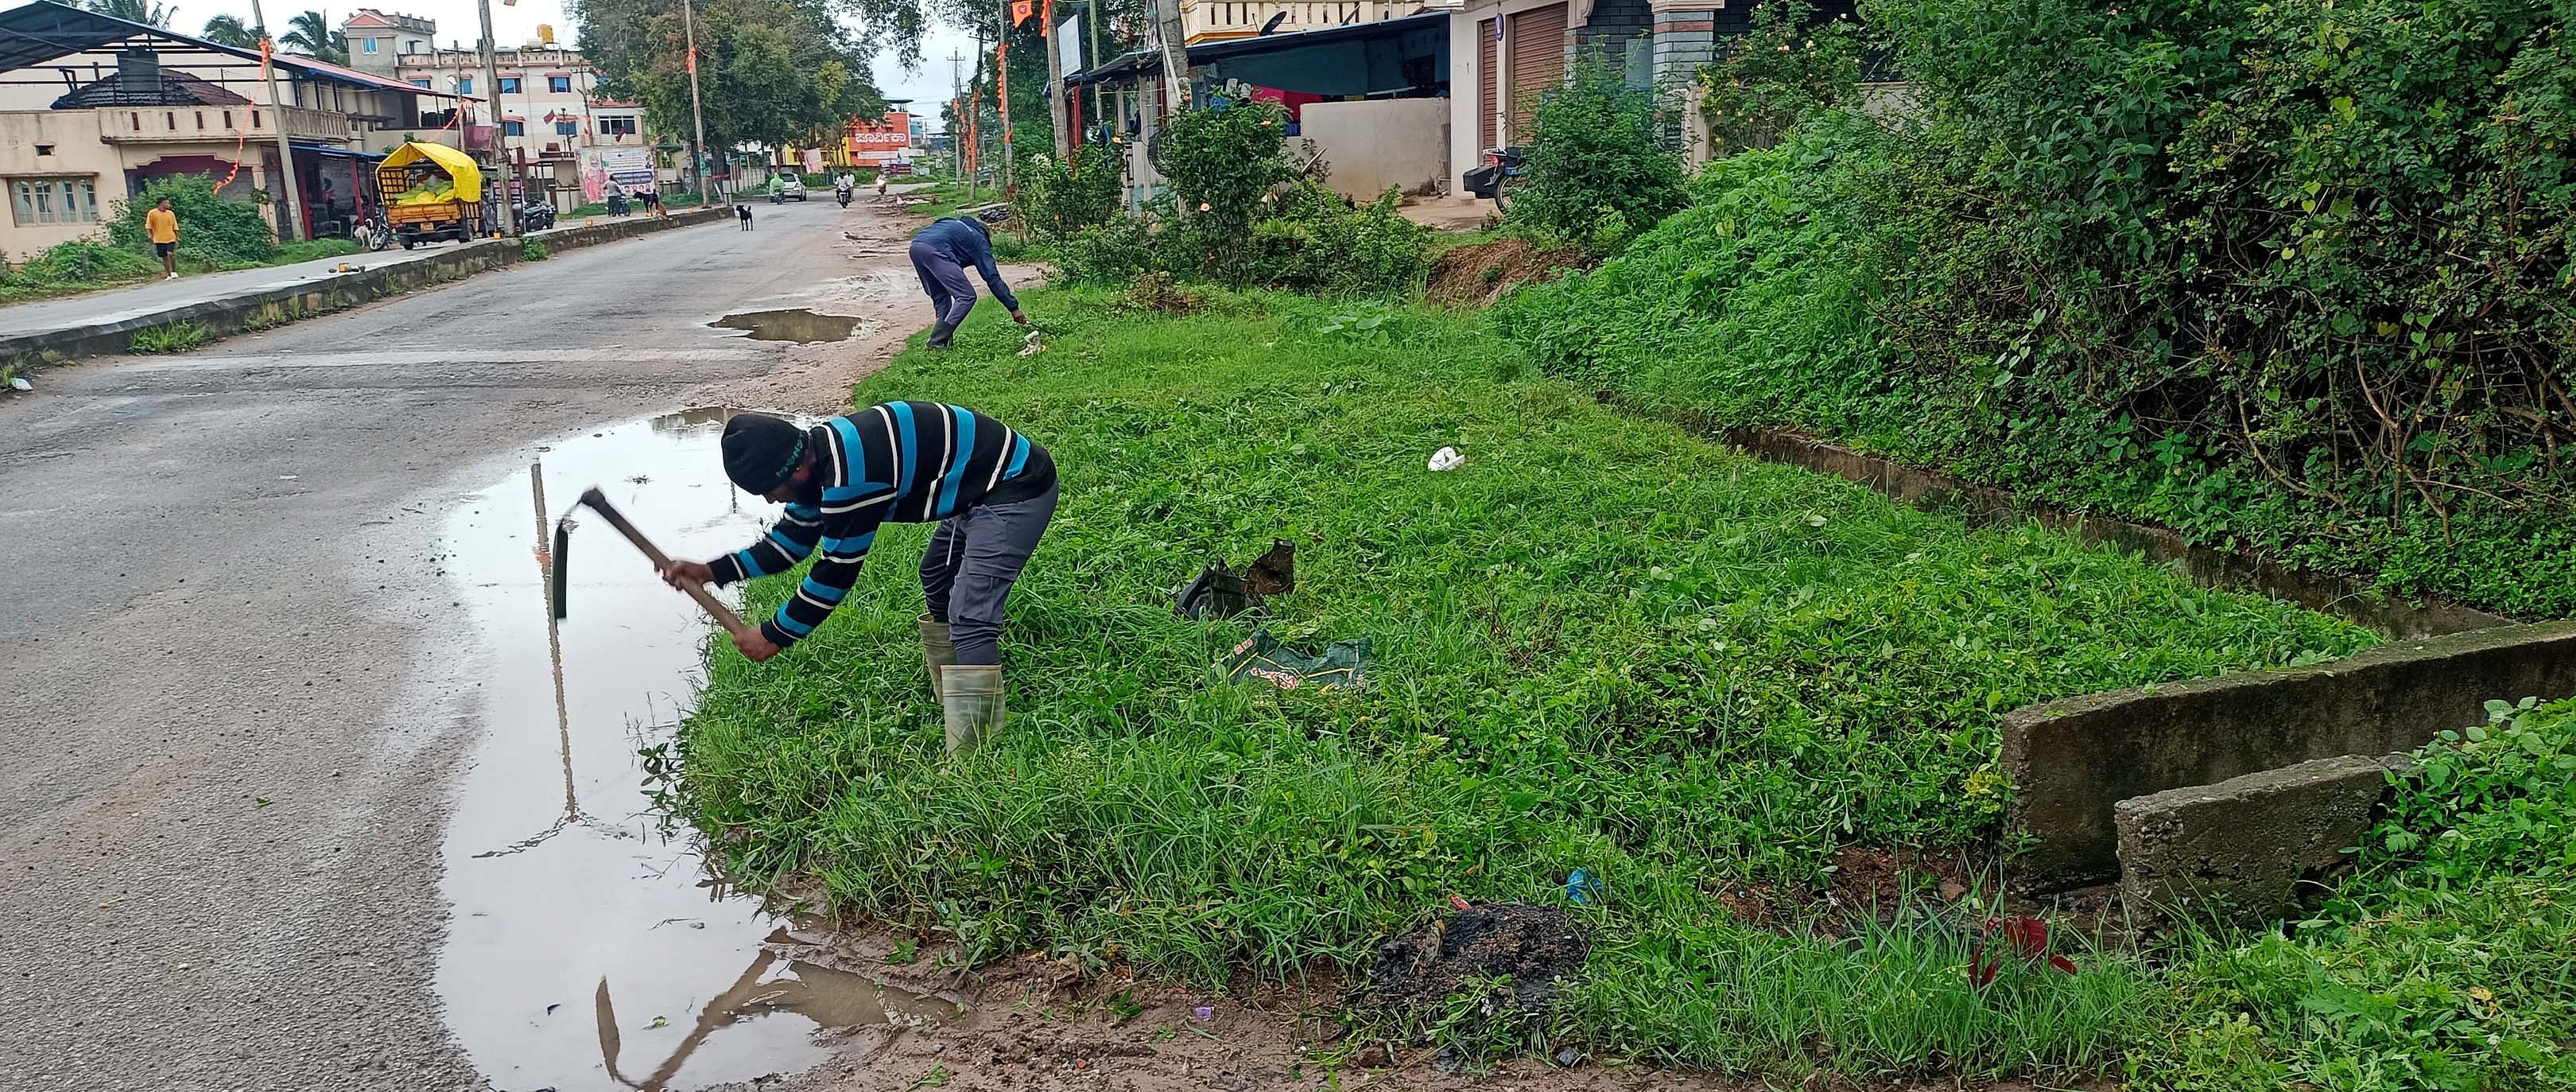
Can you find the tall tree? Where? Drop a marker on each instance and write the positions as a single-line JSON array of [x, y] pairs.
[[229, 30], [770, 72], [150, 12], [310, 33]]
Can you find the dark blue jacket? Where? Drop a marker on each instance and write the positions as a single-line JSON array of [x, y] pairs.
[[961, 240]]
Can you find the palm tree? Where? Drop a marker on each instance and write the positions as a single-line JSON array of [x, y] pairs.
[[151, 12], [310, 33], [229, 30]]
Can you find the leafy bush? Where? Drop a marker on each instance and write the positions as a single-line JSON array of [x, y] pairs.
[[1320, 243], [533, 250], [217, 230], [2287, 276], [1599, 152], [1790, 67], [1057, 198], [2442, 966], [169, 337], [1220, 163], [1109, 253], [80, 261]]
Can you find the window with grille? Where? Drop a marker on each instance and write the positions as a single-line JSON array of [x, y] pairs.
[[560, 85]]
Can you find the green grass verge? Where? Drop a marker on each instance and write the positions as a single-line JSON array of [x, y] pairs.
[[116, 268], [1603, 643]]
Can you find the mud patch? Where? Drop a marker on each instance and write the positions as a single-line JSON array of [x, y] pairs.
[[1479, 274], [1535, 946], [790, 324], [1154, 291]]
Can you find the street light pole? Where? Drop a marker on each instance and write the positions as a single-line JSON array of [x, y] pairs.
[[697, 111], [508, 205], [1002, 90], [288, 218]]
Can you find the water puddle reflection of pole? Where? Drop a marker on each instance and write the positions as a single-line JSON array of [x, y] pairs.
[[546, 577]]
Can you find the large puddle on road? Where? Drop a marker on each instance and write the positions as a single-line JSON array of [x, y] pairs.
[[586, 946], [790, 324]]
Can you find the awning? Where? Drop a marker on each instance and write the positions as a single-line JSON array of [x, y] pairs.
[[1149, 62], [328, 152], [459, 166], [44, 31]]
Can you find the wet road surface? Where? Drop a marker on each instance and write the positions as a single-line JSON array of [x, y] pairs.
[[273, 607]]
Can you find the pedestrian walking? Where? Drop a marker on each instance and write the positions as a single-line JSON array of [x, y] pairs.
[[940, 255], [162, 224], [991, 490]]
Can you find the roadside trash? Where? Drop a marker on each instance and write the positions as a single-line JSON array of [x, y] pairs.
[[1581, 888], [1566, 1057], [1218, 593], [1204, 1013], [1460, 901], [1447, 458], [659, 1022], [1262, 657], [1029, 345], [19, 382]]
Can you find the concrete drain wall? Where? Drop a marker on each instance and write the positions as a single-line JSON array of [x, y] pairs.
[[2237, 793]]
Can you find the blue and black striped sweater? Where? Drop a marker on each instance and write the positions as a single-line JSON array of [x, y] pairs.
[[900, 462]]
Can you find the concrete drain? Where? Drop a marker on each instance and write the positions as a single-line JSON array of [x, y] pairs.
[[795, 324]]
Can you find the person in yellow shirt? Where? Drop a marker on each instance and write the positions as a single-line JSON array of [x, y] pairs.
[[163, 225]]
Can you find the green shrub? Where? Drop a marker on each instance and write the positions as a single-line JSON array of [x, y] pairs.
[[1789, 68], [170, 337], [1319, 242], [1110, 253], [533, 250], [1599, 151], [1056, 198], [81, 261], [1220, 162], [2441, 966], [217, 230]]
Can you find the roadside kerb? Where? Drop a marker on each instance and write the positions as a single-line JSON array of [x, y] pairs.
[[270, 307]]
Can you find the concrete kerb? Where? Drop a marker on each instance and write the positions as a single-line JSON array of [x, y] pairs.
[[2249, 849], [272, 307], [2072, 762]]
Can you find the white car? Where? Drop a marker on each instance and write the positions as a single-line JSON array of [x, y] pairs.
[[788, 188]]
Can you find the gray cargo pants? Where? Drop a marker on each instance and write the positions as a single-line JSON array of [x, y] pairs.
[[973, 559]]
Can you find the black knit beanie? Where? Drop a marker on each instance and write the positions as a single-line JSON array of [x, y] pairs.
[[760, 451]]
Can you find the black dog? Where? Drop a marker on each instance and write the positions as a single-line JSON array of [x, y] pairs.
[[743, 211]]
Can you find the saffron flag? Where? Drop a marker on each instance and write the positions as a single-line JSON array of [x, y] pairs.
[[1021, 10]]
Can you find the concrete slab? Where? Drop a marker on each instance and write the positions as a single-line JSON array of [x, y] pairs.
[[2247, 849]]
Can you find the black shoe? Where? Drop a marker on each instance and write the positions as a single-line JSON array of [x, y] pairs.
[[942, 335]]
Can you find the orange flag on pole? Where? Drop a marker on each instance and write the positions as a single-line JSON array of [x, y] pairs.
[[1021, 10]]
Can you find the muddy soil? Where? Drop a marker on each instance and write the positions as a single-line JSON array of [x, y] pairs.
[[1479, 274], [1537, 947]]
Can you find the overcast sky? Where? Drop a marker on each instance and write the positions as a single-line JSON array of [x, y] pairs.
[[514, 23]]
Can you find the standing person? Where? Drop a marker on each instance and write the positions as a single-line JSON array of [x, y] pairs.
[[990, 489], [940, 254], [162, 224]]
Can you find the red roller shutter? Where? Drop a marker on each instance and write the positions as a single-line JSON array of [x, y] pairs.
[[1489, 82], [1537, 39]]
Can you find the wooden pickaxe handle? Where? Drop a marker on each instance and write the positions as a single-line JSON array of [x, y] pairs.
[[723, 615]]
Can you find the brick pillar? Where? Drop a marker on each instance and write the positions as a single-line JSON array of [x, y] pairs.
[[1685, 38]]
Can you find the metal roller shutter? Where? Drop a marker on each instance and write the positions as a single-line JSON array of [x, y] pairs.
[[1537, 40], [1489, 82]]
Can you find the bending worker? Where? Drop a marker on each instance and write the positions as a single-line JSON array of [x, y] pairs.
[[941, 253], [990, 489]]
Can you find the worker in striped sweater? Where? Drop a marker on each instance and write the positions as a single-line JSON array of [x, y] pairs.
[[990, 489]]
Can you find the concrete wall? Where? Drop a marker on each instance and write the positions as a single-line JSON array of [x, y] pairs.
[[78, 153], [1373, 145], [2072, 761]]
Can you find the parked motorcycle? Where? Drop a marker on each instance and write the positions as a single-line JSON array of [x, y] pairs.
[[1499, 177], [536, 216], [375, 233]]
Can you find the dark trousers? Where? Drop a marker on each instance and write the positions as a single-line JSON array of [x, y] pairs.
[[973, 560], [946, 282]]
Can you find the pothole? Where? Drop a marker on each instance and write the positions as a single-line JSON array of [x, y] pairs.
[[790, 324], [587, 946]]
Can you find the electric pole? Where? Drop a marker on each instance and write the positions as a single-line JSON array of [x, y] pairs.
[[697, 112], [508, 205], [1002, 90], [958, 123], [1060, 119], [1091, 10], [290, 218], [1176, 55]]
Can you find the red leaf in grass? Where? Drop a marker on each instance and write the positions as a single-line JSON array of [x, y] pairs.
[[1982, 970], [2029, 936], [2062, 963]]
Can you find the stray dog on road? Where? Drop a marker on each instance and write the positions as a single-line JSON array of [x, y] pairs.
[[744, 212]]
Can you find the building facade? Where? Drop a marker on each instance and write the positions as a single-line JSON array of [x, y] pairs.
[[567, 143]]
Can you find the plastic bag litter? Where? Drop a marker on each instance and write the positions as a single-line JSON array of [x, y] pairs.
[[1342, 664], [1447, 458]]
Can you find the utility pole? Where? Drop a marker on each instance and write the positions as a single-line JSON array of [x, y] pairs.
[[697, 112], [289, 218], [508, 205], [1059, 119], [1091, 9], [1176, 55], [958, 124], [1002, 89]]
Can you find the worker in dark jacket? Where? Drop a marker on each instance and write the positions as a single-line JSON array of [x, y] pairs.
[[941, 253]]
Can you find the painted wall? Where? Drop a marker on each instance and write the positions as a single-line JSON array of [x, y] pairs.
[[1373, 145]]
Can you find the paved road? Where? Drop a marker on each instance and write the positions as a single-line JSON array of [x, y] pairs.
[[153, 297], [221, 803]]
